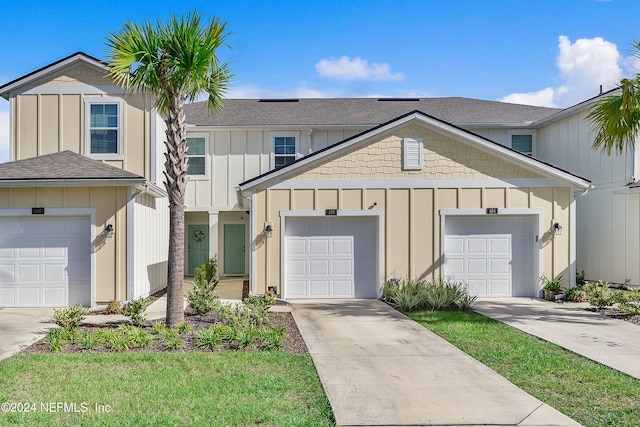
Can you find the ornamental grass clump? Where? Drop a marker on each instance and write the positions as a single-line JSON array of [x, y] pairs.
[[412, 295]]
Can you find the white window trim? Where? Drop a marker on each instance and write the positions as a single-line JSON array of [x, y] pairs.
[[206, 156], [119, 154], [523, 132], [406, 163], [296, 135]]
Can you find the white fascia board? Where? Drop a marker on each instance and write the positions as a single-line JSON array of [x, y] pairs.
[[25, 183], [573, 109], [31, 78], [197, 128], [456, 133]]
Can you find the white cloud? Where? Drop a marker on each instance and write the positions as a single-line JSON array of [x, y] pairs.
[[543, 98], [4, 132], [345, 68], [583, 66]]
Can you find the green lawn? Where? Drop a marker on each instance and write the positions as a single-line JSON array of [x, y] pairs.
[[150, 389], [588, 392]]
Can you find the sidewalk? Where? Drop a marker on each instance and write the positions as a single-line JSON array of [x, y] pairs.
[[612, 342]]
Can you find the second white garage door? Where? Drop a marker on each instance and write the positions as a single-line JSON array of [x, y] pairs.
[[45, 261], [492, 255], [330, 257]]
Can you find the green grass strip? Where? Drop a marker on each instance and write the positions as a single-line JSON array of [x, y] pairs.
[[588, 392], [170, 389]]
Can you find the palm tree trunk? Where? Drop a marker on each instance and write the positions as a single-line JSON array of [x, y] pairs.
[[175, 183]]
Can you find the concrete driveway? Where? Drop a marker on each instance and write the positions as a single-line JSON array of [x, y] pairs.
[[20, 327], [378, 367], [612, 342]]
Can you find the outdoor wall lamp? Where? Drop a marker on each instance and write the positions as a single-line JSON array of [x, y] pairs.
[[558, 228], [109, 230], [268, 230]]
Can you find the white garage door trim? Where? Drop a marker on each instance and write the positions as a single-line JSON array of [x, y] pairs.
[[379, 215], [62, 212], [536, 213]]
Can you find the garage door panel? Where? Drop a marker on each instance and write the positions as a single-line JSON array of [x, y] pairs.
[[476, 266], [298, 267], [500, 245], [43, 260], [500, 287], [319, 288], [342, 267], [500, 266], [297, 246], [318, 267], [342, 246], [343, 288], [477, 245], [455, 266], [297, 288], [318, 246], [454, 245], [477, 286]]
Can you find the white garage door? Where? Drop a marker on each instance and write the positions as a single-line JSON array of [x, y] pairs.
[[45, 261], [492, 255], [330, 257]]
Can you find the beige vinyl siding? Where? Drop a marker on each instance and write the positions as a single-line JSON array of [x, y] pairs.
[[110, 205], [412, 224], [45, 123]]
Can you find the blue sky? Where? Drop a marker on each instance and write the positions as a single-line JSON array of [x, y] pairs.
[[545, 52]]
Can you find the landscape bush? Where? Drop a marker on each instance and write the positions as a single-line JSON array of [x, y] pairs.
[[70, 318], [412, 295], [202, 297], [135, 310]]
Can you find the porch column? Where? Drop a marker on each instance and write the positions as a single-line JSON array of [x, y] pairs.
[[213, 234]]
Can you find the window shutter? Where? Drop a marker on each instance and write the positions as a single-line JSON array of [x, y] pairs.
[[412, 154]]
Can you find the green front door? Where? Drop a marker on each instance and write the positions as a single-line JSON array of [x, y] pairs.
[[234, 249], [197, 246]]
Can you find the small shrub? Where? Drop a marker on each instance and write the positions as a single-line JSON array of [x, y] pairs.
[[576, 295], [71, 317], [202, 298], [441, 295], [272, 339], [243, 337], [630, 302], [212, 337], [113, 307], [57, 339], [466, 302], [553, 286], [184, 327], [402, 295], [158, 328], [580, 281], [135, 310], [135, 336], [258, 310], [599, 294], [119, 342], [88, 340]]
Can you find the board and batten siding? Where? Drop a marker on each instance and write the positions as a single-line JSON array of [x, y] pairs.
[[235, 156], [110, 208], [150, 234], [411, 223], [607, 224], [44, 122]]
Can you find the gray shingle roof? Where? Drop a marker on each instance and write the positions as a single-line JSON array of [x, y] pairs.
[[361, 111], [64, 165]]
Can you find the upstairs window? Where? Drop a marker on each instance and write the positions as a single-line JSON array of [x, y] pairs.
[[285, 148], [103, 128], [196, 154], [523, 142]]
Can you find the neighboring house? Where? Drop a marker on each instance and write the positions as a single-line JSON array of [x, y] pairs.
[[319, 198], [82, 216]]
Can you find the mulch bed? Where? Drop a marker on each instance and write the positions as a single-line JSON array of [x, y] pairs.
[[293, 341], [616, 314]]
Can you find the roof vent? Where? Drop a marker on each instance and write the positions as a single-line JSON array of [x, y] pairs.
[[279, 100], [399, 99]]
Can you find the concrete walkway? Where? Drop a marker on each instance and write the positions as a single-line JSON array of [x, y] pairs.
[[612, 342], [380, 368], [21, 327]]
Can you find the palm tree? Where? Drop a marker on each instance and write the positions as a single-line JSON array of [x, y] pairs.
[[616, 118], [174, 62]]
